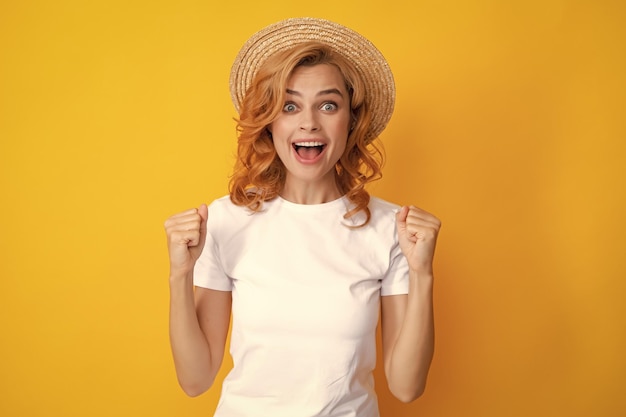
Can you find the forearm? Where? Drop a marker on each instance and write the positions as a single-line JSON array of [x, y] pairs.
[[195, 368], [414, 347]]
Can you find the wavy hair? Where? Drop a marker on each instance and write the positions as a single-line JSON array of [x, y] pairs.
[[259, 174]]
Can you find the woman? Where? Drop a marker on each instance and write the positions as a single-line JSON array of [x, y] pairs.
[[299, 252]]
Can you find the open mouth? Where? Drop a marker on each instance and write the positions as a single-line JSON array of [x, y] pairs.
[[309, 150]]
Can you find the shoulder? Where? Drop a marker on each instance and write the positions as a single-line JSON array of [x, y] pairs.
[[223, 213], [222, 203], [382, 210], [226, 216], [382, 206], [225, 206]]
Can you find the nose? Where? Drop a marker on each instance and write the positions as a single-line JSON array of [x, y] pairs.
[[309, 121]]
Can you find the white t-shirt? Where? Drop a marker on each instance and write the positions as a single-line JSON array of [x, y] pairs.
[[306, 295]]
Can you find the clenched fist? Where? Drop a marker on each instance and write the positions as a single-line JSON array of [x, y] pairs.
[[186, 233], [417, 235]]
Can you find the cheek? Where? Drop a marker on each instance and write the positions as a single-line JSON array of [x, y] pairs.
[[276, 127], [342, 130], [346, 124]]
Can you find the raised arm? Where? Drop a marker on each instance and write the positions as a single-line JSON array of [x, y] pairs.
[[199, 319], [407, 320]]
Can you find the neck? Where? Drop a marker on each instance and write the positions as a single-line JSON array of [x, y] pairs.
[[301, 192]]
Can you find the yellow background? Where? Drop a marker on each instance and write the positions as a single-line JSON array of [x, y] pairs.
[[509, 125]]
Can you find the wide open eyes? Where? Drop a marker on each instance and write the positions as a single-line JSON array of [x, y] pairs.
[[289, 108], [327, 106]]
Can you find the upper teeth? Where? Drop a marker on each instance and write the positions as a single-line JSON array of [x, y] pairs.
[[309, 144]]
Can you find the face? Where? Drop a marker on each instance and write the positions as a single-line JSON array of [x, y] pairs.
[[311, 132]]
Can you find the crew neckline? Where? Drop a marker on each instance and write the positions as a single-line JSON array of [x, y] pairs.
[[341, 201]]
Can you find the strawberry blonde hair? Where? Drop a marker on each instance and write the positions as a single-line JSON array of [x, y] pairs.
[[259, 174]]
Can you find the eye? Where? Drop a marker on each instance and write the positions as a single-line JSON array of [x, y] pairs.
[[329, 106], [289, 108]]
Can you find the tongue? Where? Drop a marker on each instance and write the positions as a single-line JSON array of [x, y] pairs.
[[309, 153]]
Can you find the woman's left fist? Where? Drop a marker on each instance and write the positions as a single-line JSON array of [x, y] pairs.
[[417, 235]]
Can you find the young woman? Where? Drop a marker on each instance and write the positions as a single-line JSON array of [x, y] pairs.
[[299, 253]]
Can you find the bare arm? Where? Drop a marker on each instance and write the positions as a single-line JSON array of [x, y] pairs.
[[198, 332], [198, 319], [408, 340], [407, 320]]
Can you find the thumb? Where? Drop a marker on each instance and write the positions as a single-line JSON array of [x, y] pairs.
[[401, 216], [196, 250], [203, 211], [403, 236]]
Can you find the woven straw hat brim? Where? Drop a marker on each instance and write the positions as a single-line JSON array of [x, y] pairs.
[[368, 61]]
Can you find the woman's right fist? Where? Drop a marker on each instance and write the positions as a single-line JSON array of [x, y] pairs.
[[186, 233]]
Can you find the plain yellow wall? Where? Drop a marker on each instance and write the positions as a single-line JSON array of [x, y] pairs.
[[509, 125]]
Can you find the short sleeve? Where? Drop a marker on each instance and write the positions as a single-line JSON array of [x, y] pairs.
[[208, 271], [396, 280]]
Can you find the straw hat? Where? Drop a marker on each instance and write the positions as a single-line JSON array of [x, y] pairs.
[[368, 61]]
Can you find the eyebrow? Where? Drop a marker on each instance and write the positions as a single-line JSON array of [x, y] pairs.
[[320, 93]]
